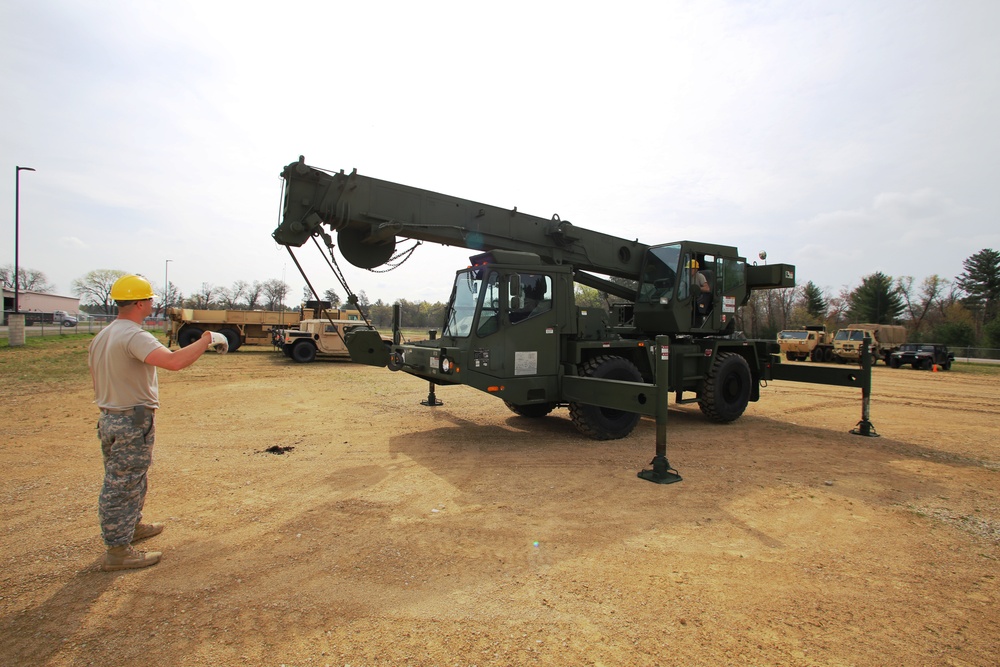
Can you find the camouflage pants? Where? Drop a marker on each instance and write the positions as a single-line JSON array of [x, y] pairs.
[[128, 453]]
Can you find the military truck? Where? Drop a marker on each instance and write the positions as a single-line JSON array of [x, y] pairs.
[[810, 342], [512, 328], [922, 356], [883, 340], [240, 327], [318, 338]]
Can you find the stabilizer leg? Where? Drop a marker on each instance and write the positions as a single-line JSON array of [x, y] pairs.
[[432, 400], [661, 473], [865, 426]]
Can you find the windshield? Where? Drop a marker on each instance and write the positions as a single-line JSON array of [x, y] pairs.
[[660, 272], [850, 334], [793, 335], [462, 307]]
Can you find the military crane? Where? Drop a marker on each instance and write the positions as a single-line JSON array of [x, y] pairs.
[[512, 328]]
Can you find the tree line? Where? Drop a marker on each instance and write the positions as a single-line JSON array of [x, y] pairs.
[[94, 290], [963, 312]]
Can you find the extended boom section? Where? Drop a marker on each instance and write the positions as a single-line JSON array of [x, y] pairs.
[[512, 327], [368, 214]]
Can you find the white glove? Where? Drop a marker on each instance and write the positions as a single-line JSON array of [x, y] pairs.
[[219, 342]]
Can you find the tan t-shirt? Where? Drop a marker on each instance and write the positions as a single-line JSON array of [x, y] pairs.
[[122, 379]]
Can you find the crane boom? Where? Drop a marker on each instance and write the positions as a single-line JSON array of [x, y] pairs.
[[368, 215]]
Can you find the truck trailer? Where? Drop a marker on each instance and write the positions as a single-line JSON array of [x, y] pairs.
[[241, 327]]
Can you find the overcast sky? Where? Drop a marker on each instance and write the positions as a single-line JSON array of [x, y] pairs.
[[842, 137]]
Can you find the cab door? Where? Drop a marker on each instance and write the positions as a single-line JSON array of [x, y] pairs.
[[532, 330]]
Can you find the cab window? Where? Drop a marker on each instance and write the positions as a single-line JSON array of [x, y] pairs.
[[530, 295]]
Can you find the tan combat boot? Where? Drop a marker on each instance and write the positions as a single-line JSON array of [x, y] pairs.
[[127, 558], [144, 531]]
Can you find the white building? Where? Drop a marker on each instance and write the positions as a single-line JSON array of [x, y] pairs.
[[39, 302]]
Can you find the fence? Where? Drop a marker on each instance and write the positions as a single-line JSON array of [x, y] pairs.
[[969, 353], [91, 326]]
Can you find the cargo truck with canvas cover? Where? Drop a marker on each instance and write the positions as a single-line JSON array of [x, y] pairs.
[[882, 339]]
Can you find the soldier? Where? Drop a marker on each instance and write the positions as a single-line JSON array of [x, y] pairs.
[[123, 359]]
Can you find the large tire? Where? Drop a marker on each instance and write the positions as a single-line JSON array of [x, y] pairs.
[[605, 423], [725, 392], [188, 335], [927, 364], [532, 410], [828, 355], [790, 357], [232, 337], [304, 352], [894, 362]]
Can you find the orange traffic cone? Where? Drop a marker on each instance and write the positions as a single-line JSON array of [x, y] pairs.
[[934, 369]]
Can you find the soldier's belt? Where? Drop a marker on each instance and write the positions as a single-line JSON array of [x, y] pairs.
[[138, 413]]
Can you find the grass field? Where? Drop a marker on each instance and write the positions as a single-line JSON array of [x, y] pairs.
[[53, 359]]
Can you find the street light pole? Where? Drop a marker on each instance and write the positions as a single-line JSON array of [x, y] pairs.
[[17, 233], [166, 285], [166, 293]]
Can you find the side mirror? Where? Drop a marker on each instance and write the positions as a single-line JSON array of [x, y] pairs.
[[514, 284]]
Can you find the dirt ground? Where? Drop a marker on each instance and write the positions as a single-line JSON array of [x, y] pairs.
[[396, 534]]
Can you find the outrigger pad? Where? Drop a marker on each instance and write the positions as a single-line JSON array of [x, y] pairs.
[[661, 473], [866, 429]]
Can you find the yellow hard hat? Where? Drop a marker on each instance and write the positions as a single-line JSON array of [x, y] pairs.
[[692, 264], [131, 288]]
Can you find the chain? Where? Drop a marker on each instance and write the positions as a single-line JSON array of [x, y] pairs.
[[398, 259]]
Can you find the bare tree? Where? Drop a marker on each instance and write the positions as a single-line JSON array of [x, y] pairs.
[[231, 297], [837, 309], [95, 288], [29, 280], [331, 296], [203, 298], [237, 293], [253, 294], [274, 292], [920, 306]]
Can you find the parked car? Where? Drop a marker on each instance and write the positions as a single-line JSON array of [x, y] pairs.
[[922, 355]]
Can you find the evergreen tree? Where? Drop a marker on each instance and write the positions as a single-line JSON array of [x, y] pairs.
[[876, 300], [813, 301], [981, 281]]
